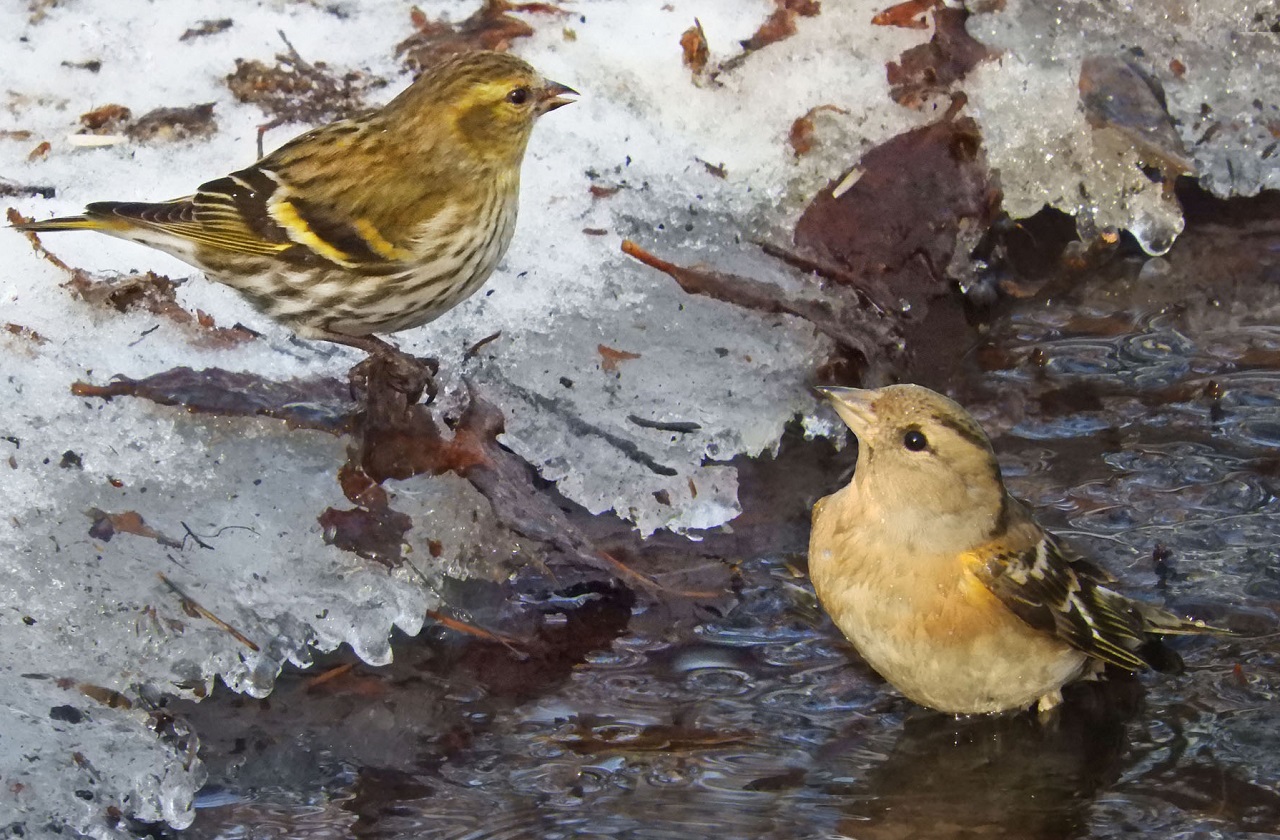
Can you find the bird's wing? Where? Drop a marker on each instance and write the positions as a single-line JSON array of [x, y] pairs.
[[182, 219], [262, 211], [1055, 590], [257, 210]]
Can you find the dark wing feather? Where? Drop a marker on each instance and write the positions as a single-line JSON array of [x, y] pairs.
[[1055, 590], [235, 210], [259, 211], [220, 215]]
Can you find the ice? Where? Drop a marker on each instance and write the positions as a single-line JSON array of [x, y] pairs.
[[45, 746], [629, 394], [216, 567], [1216, 63]]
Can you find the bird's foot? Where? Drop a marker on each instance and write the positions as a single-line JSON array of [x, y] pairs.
[[1048, 703]]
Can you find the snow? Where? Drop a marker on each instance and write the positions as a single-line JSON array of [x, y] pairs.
[[1224, 106], [79, 611]]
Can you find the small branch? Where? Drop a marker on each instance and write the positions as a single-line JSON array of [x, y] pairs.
[[475, 348], [193, 536], [193, 607]]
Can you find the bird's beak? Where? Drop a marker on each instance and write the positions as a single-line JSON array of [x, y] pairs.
[[554, 95], [854, 405]]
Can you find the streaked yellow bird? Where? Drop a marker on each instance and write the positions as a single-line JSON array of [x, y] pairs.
[[373, 224]]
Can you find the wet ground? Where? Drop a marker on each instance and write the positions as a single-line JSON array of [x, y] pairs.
[[1134, 405]]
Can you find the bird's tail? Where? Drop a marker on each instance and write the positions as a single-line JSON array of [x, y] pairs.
[[1159, 623], [67, 223], [1164, 623]]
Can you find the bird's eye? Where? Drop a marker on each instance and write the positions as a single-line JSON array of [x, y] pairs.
[[519, 96], [914, 440]]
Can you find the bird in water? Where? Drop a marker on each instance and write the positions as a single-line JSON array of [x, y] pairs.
[[947, 585]]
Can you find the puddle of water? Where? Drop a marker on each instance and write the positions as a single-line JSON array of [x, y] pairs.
[[1137, 415]]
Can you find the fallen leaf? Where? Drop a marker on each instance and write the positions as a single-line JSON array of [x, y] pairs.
[[107, 525], [205, 28], [108, 119], [930, 70], [611, 358], [801, 135], [693, 45], [490, 27], [906, 15]]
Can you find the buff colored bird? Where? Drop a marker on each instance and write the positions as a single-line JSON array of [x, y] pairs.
[[373, 224], [945, 583]]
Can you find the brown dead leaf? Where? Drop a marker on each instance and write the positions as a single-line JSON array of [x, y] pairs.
[[109, 119], [897, 218], [901, 206], [40, 152], [155, 293], [372, 533], [801, 135], [715, 170], [491, 27], [296, 90], [25, 333], [781, 24], [909, 14], [611, 358], [173, 124], [693, 44], [930, 70], [1119, 96], [107, 525], [205, 28]]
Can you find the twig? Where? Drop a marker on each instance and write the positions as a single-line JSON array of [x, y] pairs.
[[16, 218], [682, 426], [189, 603], [475, 348], [329, 675], [295, 57], [479, 632], [824, 269], [193, 536], [649, 583]]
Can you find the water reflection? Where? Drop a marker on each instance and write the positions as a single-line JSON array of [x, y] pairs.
[[1008, 776]]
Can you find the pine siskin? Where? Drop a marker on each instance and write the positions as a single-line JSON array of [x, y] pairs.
[[373, 224], [946, 584]]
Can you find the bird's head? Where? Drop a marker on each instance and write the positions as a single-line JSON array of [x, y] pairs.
[[920, 453], [490, 99]]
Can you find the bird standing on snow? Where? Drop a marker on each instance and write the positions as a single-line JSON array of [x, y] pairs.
[[945, 583], [367, 225]]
